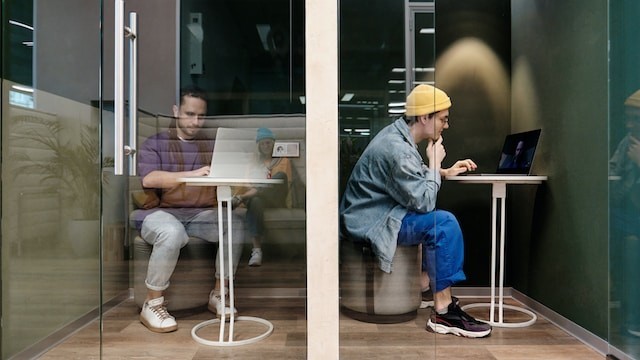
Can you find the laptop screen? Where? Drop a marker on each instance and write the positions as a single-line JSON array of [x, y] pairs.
[[518, 152], [235, 155]]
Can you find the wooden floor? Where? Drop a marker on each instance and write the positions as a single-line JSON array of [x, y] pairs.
[[124, 337]]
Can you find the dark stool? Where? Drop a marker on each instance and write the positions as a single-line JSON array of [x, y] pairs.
[[369, 294]]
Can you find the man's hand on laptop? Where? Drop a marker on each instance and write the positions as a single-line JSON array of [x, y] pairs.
[[203, 171], [461, 166]]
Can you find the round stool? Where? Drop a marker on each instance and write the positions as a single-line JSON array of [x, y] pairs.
[[372, 295]]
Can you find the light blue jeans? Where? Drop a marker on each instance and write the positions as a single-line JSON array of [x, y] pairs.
[[442, 246], [169, 232]]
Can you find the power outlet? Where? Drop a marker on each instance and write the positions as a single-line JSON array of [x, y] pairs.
[[286, 149]]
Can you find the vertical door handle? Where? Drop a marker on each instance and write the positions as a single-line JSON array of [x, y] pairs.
[[118, 88], [120, 149], [130, 150]]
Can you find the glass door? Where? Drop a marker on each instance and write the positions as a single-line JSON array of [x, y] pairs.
[[380, 62], [243, 62], [624, 207], [54, 173], [73, 262]]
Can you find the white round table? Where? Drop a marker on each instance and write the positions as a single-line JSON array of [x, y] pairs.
[[223, 190]]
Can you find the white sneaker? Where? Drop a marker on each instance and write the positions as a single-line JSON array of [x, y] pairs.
[[154, 316], [215, 304], [256, 257]]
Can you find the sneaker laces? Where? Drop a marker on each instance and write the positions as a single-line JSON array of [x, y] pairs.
[[463, 315], [218, 295], [160, 311]]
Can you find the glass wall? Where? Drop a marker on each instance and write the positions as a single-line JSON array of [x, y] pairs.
[[386, 49], [51, 166], [249, 57], [68, 252], [624, 191], [248, 54]]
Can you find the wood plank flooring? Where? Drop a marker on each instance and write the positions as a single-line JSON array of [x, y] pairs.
[[124, 337]]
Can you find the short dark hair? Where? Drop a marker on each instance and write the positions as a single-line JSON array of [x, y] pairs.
[[192, 91], [410, 120]]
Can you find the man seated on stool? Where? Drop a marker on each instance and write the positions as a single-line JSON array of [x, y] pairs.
[[183, 211], [390, 201]]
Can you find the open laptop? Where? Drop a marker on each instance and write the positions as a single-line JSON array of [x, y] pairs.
[[235, 155], [235, 160], [517, 154]]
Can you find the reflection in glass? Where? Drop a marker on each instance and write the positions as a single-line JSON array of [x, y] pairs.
[[624, 176], [624, 180]]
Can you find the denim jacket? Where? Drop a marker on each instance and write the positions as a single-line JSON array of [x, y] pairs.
[[389, 180]]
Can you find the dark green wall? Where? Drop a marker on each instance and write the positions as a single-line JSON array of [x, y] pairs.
[[555, 58], [473, 67], [560, 48]]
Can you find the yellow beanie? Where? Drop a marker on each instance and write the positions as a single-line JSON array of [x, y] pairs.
[[426, 99]]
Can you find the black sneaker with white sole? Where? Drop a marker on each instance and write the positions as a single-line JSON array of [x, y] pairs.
[[457, 322]]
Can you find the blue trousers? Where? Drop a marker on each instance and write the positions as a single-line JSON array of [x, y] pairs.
[[442, 245]]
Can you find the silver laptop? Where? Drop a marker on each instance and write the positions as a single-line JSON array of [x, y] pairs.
[[517, 154], [235, 155]]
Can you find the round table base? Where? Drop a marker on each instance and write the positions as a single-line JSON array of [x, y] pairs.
[[505, 324], [252, 340]]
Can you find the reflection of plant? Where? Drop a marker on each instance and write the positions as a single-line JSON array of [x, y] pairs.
[[71, 167]]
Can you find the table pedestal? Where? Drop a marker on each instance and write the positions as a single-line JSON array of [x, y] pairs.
[[499, 194], [224, 196]]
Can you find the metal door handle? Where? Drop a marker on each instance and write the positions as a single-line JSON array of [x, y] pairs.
[[130, 149], [120, 31]]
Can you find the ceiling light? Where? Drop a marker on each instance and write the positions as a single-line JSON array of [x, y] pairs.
[[396, 104], [396, 111], [427, 31], [17, 23], [347, 97], [22, 88], [396, 81], [398, 70]]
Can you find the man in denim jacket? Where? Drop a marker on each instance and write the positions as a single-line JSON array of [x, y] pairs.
[[390, 200]]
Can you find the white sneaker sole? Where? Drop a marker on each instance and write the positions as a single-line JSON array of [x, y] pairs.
[[157, 329], [441, 329]]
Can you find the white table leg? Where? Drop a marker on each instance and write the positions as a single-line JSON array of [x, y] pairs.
[[494, 220], [499, 193], [224, 196]]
